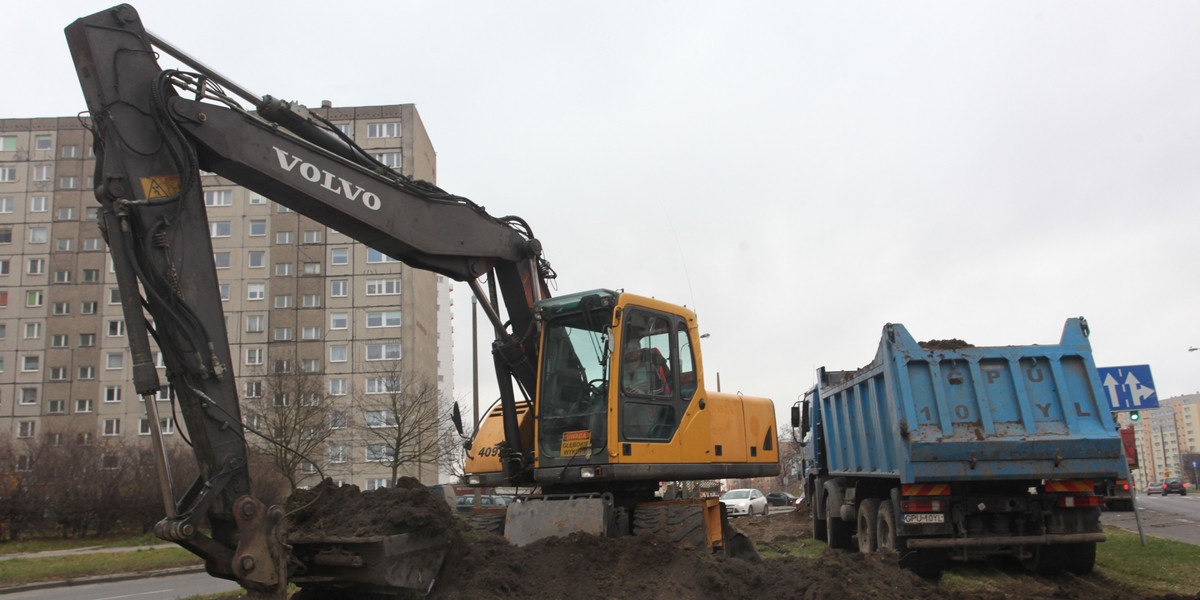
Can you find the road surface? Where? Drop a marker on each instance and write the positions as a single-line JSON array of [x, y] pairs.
[[1172, 517]]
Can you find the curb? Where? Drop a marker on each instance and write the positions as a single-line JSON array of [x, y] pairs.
[[42, 585]]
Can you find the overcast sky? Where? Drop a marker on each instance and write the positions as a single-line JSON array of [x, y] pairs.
[[800, 173]]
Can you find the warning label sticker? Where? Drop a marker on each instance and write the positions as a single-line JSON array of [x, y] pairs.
[[575, 443], [163, 186]]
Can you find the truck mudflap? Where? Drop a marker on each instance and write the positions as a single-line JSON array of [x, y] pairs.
[[556, 515], [368, 563], [1004, 540]]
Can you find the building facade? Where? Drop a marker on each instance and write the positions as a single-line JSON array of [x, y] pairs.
[[1168, 441], [303, 303]]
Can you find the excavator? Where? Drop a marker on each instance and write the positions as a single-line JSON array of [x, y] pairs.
[[601, 393]]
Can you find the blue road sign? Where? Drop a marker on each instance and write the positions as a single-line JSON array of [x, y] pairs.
[[1129, 388]]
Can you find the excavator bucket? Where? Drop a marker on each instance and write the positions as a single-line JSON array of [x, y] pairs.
[[557, 515], [366, 564]]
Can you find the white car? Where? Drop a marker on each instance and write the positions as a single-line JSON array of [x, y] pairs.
[[745, 502]]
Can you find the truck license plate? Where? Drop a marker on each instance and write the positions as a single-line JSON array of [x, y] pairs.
[[916, 519]]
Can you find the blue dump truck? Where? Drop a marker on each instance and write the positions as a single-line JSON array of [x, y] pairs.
[[942, 450]]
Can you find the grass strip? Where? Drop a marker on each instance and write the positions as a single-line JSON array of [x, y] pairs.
[[31, 570]]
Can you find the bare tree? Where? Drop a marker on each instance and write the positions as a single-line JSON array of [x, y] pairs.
[[402, 422], [452, 456], [290, 408]]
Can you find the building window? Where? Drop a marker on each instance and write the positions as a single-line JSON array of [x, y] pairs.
[[38, 235], [42, 142], [85, 373], [253, 389], [390, 159], [337, 454], [91, 213], [91, 244], [221, 260], [31, 362], [68, 182], [382, 385], [63, 244], [33, 330], [283, 237], [337, 386], [256, 291], [339, 320], [283, 269], [26, 429], [338, 353], [91, 275], [6, 205], [383, 287], [311, 301], [386, 318], [70, 151], [41, 173], [62, 308], [258, 227], [116, 328], [379, 453], [59, 340], [339, 288], [36, 266], [34, 298], [39, 204], [283, 366], [87, 307], [29, 395], [165, 425], [312, 236], [5, 233], [254, 356], [339, 256], [283, 301], [281, 399], [376, 483], [62, 277], [312, 268], [224, 290], [257, 198], [311, 333], [383, 130], [375, 256], [87, 340], [83, 406], [112, 427], [58, 373], [114, 361], [112, 393], [256, 259], [56, 407], [218, 198], [219, 229], [283, 334], [255, 324], [383, 351], [310, 365], [65, 213]]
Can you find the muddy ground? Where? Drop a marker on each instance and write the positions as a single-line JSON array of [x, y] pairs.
[[583, 567]]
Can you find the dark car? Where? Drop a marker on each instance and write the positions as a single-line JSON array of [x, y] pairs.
[[1174, 485], [782, 499]]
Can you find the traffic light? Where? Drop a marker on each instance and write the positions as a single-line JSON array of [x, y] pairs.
[[1134, 415]]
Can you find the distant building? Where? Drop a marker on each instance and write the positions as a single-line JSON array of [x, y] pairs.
[[1168, 441], [297, 296]]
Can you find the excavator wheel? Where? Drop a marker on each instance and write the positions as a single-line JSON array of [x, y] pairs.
[[491, 521], [680, 523]]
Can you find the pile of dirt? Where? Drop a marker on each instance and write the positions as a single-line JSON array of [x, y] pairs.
[[951, 344], [330, 510]]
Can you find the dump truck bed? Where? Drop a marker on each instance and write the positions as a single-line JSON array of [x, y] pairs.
[[947, 411]]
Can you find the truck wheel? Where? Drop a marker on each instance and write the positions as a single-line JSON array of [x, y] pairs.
[[818, 523], [868, 518], [837, 529], [1046, 559], [1081, 558], [885, 527], [487, 522]]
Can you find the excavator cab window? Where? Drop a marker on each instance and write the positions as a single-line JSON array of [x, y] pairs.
[[573, 405], [652, 354]]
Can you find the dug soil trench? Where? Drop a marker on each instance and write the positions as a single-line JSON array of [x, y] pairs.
[[584, 567]]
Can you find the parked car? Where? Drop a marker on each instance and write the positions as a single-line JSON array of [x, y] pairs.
[[464, 504], [1155, 487], [745, 501], [782, 499], [1174, 485]]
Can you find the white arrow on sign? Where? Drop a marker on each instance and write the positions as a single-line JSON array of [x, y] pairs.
[[1110, 382], [1136, 390]]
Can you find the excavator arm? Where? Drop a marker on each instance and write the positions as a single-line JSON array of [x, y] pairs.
[[155, 131]]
